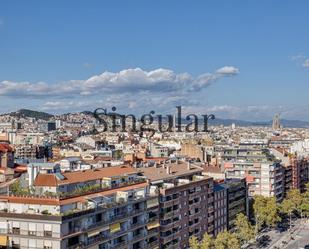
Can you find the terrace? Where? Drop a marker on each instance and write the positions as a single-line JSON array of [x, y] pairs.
[[69, 207]]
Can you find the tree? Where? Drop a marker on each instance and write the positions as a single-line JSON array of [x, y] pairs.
[[207, 242], [193, 242], [226, 240], [266, 211], [243, 229], [304, 207], [295, 202], [295, 197]]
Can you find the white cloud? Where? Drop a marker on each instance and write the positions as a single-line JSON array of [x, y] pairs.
[[129, 80], [228, 70], [130, 90]]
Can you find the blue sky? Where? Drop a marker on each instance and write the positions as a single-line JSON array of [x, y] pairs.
[[237, 59]]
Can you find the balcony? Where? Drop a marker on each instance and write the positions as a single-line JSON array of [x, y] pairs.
[[43, 234], [168, 215], [138, 237], [153, 244], [137, 224], [166, 239]]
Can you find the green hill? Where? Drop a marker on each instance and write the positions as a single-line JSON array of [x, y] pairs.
[[31, 114]]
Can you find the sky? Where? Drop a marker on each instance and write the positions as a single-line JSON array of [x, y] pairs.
[[244, 59]]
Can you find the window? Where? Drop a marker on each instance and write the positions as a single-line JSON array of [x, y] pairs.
[[48, 230], [15, 228], [32, 229], [48, 233]]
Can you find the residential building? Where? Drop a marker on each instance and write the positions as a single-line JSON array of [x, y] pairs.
[[121, 214], [186, 202]]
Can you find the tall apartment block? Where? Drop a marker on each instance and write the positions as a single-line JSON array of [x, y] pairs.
[[186, 202], [105, 208]]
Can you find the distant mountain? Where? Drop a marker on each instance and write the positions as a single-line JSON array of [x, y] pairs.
[[218, 121], [31, 114], [284, 123]]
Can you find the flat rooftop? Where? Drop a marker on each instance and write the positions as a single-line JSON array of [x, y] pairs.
[[160, 172]]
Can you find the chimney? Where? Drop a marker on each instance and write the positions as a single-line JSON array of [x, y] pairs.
[[188, 165]]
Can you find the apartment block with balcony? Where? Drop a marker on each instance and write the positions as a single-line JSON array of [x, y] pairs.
[[263, 172], [296, 168], [266, 179], [186, 202], [122, 215]]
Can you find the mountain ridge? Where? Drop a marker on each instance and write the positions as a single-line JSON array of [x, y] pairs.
[[218, 121]]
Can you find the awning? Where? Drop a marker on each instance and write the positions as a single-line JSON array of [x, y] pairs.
[[114, 227], [152, 225], [97, 231], [94, 233], [3, 241]]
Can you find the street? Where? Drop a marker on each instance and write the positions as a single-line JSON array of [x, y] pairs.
[[297, 238]]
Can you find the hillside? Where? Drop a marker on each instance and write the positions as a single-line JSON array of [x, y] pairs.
[[31, 114]]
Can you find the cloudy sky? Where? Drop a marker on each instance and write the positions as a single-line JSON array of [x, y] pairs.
[[237, 59]]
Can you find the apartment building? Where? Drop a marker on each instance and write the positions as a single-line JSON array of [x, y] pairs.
[[157, 150], [300, 171], [220, 207], [263, 172], [186, 202], [237, 200], [266, 179], [296, 168], [28, 151], [121, 212]]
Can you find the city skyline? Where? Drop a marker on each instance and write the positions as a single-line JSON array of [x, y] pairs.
[[236, 60]]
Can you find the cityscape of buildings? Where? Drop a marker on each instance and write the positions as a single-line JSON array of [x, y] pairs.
[[66, 183]]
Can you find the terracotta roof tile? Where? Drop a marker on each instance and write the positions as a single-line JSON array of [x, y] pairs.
[[82, 176], [46, 180]]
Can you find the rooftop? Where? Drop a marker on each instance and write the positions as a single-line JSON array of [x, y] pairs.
[[156, 173], [82, 176]]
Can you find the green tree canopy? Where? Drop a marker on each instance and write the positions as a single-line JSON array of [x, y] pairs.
[[266, 211], [207, 242], [243, 229], [194, 243], [226, 240]]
